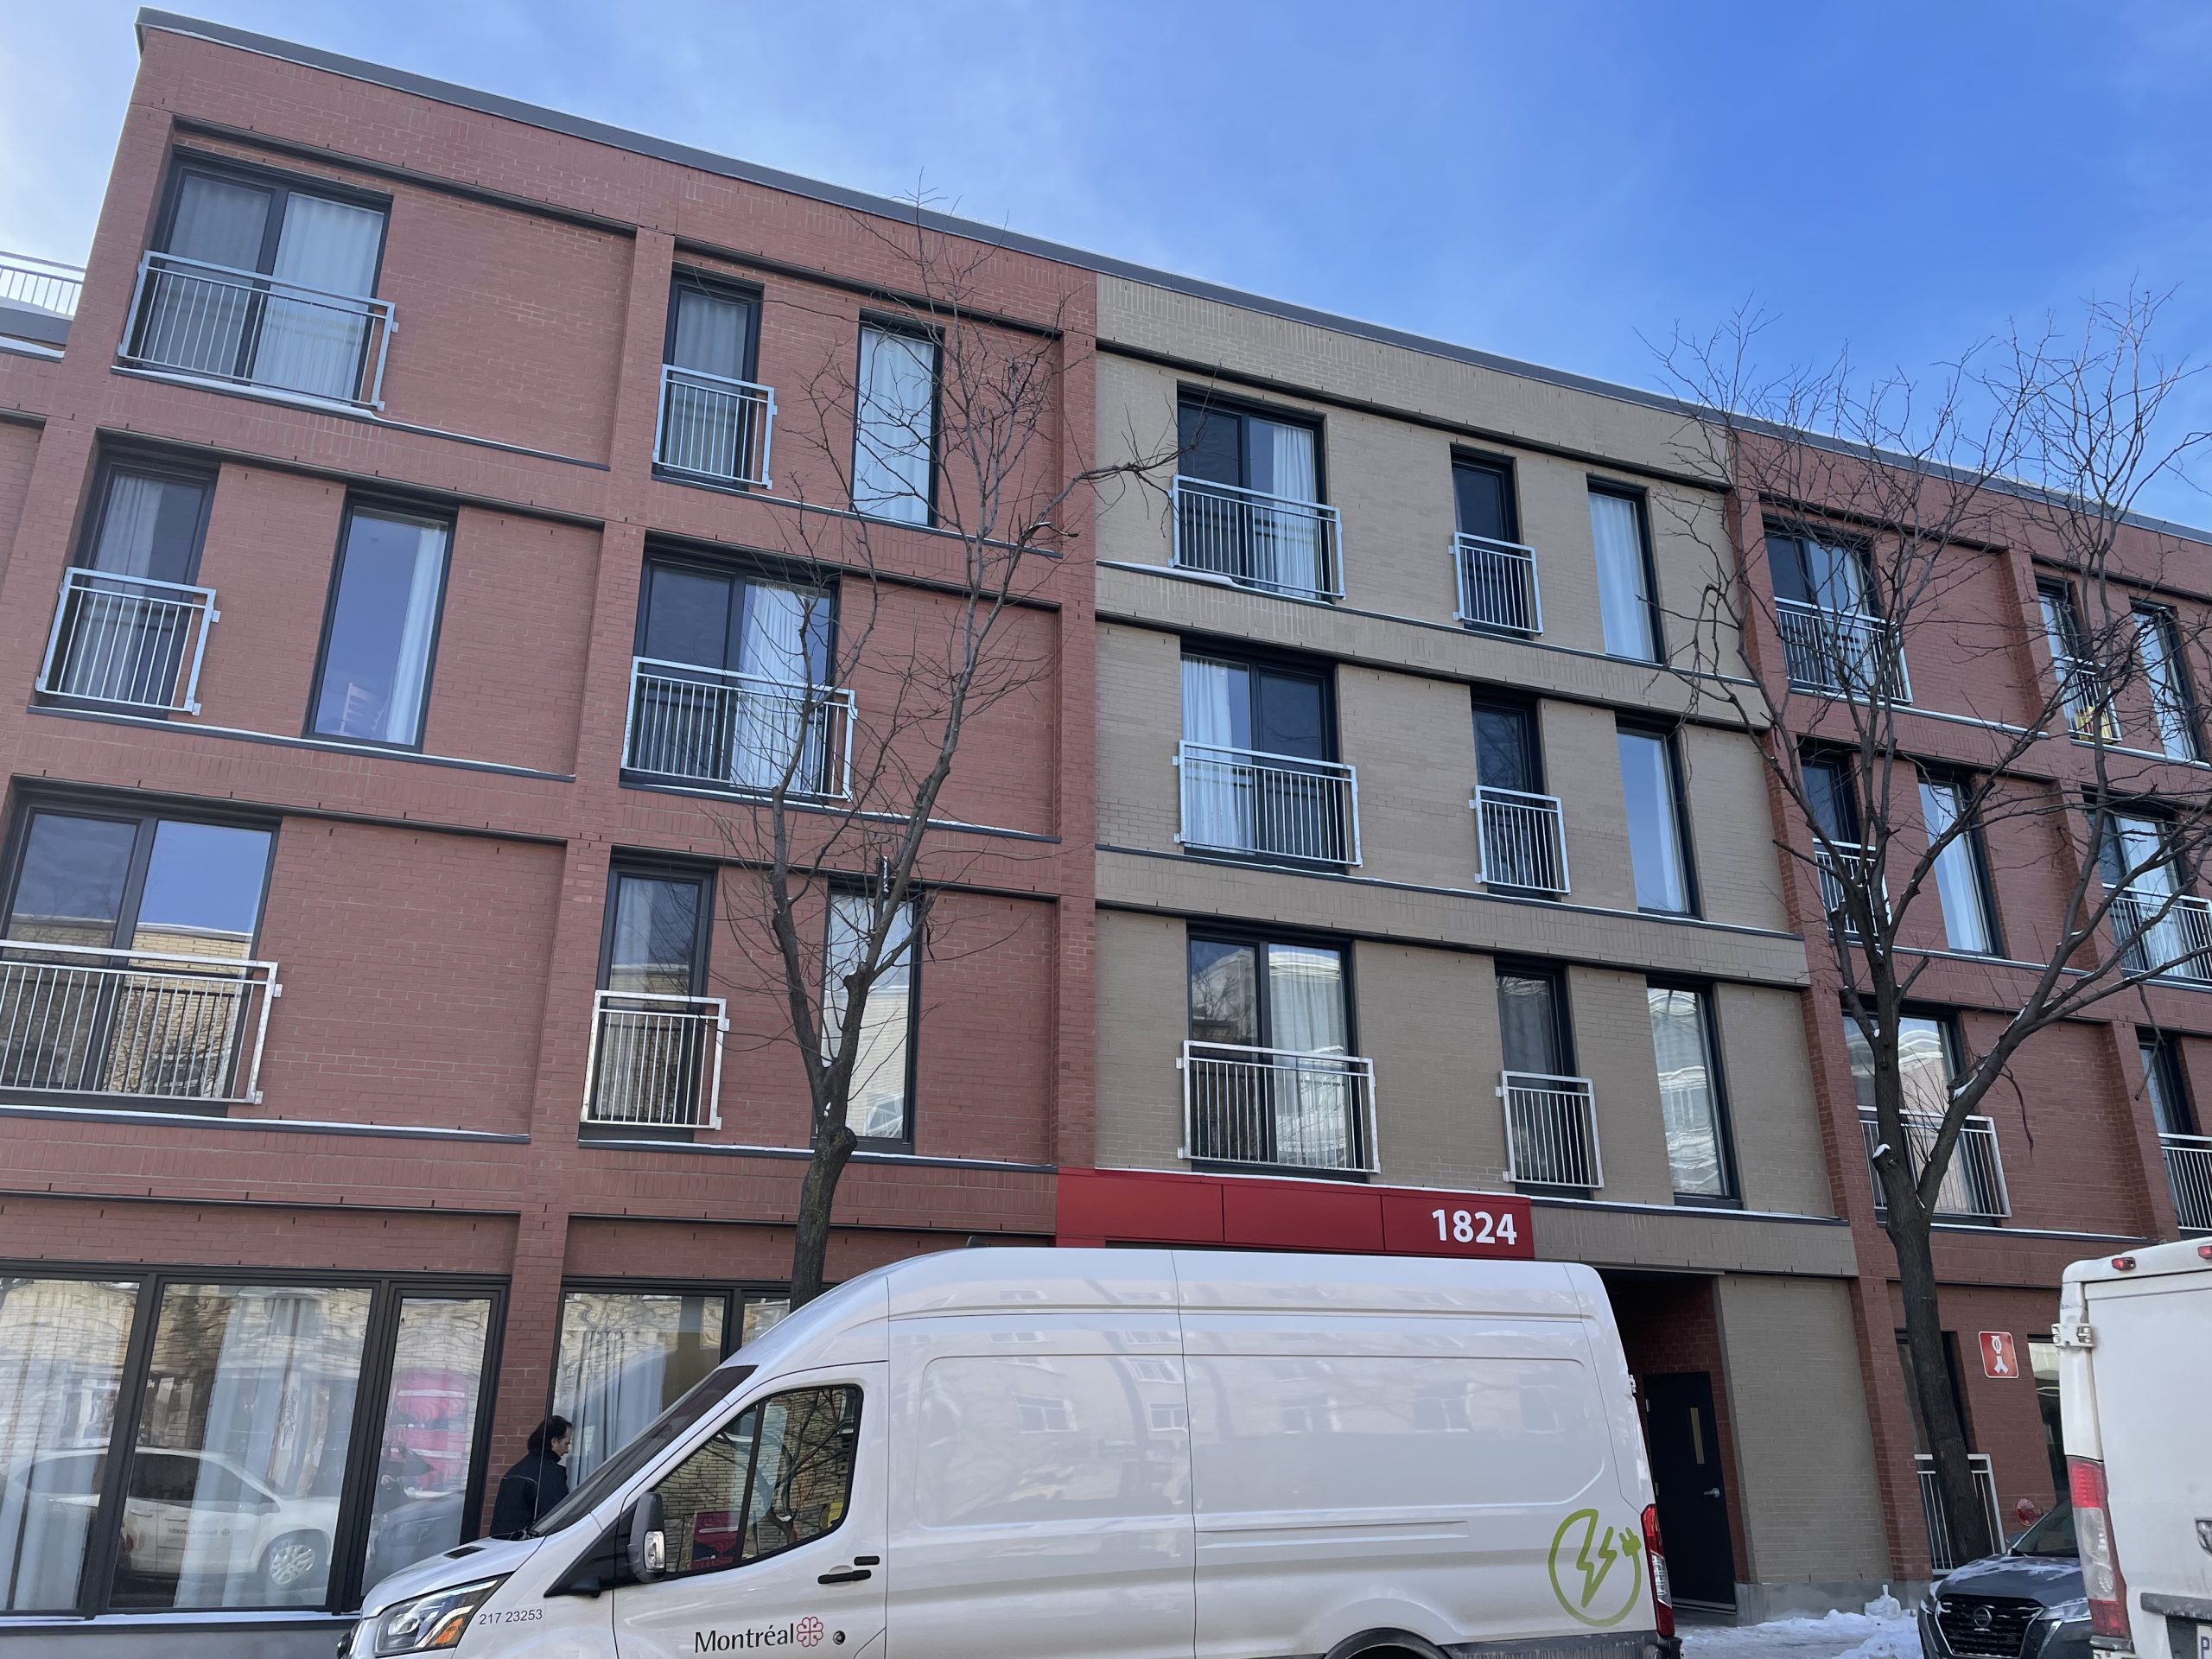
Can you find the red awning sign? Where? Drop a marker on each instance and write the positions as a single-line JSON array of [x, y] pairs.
[[1997, 1357]]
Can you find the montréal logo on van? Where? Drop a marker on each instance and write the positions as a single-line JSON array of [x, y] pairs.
[[790, 1633]]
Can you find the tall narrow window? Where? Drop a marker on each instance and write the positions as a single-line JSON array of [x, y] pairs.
[[2159, 643], [1497, 574], [1962, 880], [2083, 693], [1532, 1022], [879, 1107], [894, 447], [1521, 840], [1655, 821], [1551, 1130], [130, 623], [383, 628], [1248, 501], [2171, 1112], [656, 1041], [714, 421], [1625, 590], [1690, 1090]]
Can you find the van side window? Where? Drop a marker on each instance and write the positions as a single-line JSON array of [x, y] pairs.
[[778, 1475]]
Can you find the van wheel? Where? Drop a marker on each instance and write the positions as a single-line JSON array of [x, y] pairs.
[[293, 1562]]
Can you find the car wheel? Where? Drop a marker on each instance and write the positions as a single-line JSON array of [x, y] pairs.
[[293, 1562]]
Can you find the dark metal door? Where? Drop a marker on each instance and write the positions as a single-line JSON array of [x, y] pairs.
[[1687, 1478]]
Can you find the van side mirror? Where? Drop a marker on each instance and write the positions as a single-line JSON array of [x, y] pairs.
[[648, 1539]]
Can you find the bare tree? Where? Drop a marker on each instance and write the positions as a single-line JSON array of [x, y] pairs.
[[1867, 515], [949, 488]]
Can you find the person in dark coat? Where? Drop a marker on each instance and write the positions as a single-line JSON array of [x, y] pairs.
[[536, 1484]]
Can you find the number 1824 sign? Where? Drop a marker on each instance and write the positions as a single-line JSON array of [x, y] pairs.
[[1448, 1224]]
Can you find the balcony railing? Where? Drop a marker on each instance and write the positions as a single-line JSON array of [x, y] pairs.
[[1261, 540], [2188, 1172], [1973, 1186], [1854, 862], [250, 329], [1941, 1555], [131, 641], [2167, 934], [1845, 652], [150, 1025], [739, 731], [1278, 1107], [656, 1061], [1269, 805], [1497, 585], [2086, 696], [714, 427], [1551, 1130], [1522, 839], [41, 293]]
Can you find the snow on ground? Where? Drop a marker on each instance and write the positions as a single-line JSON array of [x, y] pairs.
[[1835, 1635]]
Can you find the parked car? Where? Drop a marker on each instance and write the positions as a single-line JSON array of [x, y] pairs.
[[2025, 1604]]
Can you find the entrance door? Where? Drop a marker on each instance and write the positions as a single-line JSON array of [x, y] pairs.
[[774, 1530], [1687, 1482]]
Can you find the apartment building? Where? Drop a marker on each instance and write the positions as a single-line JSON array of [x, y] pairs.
[[402, 522]]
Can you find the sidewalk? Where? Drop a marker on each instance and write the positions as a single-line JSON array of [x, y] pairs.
[[1836, 1635]]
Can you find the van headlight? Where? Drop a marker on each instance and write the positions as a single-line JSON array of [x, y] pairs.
[[430, 1623]]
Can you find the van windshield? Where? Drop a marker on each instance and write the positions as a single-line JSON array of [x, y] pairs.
[[708, 1392]]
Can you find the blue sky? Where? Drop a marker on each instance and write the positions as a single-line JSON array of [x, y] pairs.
[[1561, 182]]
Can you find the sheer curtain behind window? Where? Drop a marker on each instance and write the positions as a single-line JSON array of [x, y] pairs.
[[1287, 546], [1623, 593], [1306, 1003], [893, 439], [314, 344], [1958, 884], [1216, 794], [196, 320], [774, 723]]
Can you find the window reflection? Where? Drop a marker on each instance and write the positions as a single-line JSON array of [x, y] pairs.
[[429, 1432], [625, 1357]]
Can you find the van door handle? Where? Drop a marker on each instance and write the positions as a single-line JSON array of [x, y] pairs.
[[849, 1575]]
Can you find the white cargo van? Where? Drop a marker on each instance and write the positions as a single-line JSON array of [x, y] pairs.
[[1117, 1454], [2134, 1337]]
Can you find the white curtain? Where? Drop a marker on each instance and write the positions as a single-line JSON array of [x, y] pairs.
[[196, 320], [1624, 599], [893, 437], [410, 672], [1287, 551], [1217, 791], [2154, 639], [314, 344], [770, 723], [709, 428], [126, 543], [1685, 1100], [1306, 1003], [1839, 577], [120, 646], [1957, 887]]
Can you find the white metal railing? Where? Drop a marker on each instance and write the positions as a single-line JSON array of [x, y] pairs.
[[656, 1060], [1274, 805], [190, 317], [1850, 652], [1973, 1186], [81, 1019], [1261, 540], [40, 284], [1855, 861], [1497, 584], [130, 640], [2086, 696], [738, 731], [1941, 1556], [2170, 933], [2188, 1172], [714, 426], [1522, 839], [1551, 1130], [1278, 1107]]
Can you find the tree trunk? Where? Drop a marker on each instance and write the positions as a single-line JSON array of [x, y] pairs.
[[1965, 1516], [810, 1235]]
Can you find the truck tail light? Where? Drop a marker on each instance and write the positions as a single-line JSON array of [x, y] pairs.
[[2102, 1579], [1654, 1557]]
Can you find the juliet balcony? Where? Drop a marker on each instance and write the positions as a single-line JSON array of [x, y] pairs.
[[1269, 541], [712, 427], [1973, 1186], [128, 642], [1278, 1107], [656, 1061], [1269, 806], [720, 730], [2166, 935], [246, 329], [38, 298], [2189, 1173], [1841, 653], [1497, 585], [1521, 840], [1551, 1130]]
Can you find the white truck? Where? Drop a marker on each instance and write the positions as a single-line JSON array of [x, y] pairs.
[[1107, 1455], [2134, 1337]]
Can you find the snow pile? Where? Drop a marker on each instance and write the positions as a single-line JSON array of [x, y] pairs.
[[1880, 1635]]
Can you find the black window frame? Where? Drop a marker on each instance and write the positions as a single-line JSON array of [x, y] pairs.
[[716, 286], [284, 185], [740, 566], [1555, 974], [912, 328], [1256, 660], [1668, 737], [917, 903], [1244, 411], [1724, 1117], [372, 1400], [393, 506], [116, 458], [1846, 796], [2163, 1050], [655, 867], [1504, 469], [2167, 622], [1800, 534], [1640, 499], [1528, 711], [1978, 857]]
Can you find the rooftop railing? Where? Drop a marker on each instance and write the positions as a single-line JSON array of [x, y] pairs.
[[739, 731], [1522, 839], [131, 642], [2167, 934], [1278, 1107], [1269, 805], [1497, 585], [714, 427], [42, 285], [1973, 1186], [656, 1061], [1269, 541], [150, 1025], [1849, 654], [248, 328], [1551, 1130], [2188, 1172]]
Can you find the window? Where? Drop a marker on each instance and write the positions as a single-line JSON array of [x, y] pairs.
[[627, 1352], [1832, 802], [1690, 1090], [1829, 576], [1551, 1132], [1268, 1075], [778, 1475], [1250, 500], [1532, 1022], [1626, 603], [1831, 640], [1483, 491], [1257, 762], [656, 1041], [130, 619], [894, 443], [729, 686], [714, 421], [306, 326], [1655, 836], [2160, 927], [880, 1105], [374, 677], [2083, 694], [2158, 642], [220, 1465], [1518, 827], [1961, 875], [1497, 574], [1508, 755], [2164, 1086], [1925, 1048]]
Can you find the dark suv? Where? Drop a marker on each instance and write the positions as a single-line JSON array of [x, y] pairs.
[[2026, 1604]]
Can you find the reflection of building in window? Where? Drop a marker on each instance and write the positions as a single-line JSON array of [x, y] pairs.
[[780, 1475], [1442, 1414]]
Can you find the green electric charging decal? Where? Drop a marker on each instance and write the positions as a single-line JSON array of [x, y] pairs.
[[1596, 1573]]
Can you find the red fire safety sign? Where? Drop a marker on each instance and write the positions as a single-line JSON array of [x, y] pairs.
[[1998, 1358]]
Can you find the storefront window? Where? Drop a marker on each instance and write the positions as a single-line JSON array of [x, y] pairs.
[[62, 1350], [429, 1432]]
